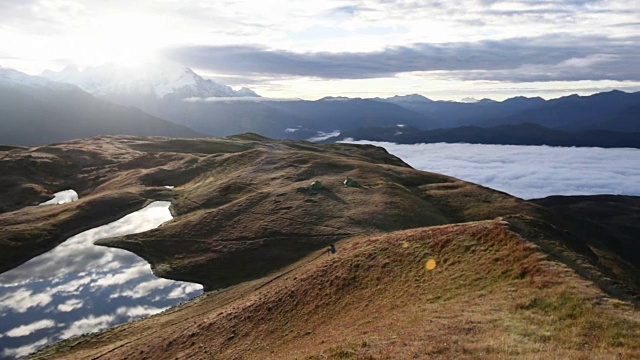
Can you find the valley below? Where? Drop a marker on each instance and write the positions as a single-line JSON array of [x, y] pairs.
[[552, 277]]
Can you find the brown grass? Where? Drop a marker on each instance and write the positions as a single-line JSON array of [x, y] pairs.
[[374, 299], [247, 227]]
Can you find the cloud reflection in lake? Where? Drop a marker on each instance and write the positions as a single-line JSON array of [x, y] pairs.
[[78, 287]]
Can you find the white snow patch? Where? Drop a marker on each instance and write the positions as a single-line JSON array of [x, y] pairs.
[[62, 197]]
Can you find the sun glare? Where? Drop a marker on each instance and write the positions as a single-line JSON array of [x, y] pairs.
[[124, 39]]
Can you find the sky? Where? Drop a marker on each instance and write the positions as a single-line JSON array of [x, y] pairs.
[[445, 50], [529, 172]]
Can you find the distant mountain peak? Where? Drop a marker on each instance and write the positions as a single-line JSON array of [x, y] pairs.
[[523, 98], [14, 77], [334, 98], [486, 101], [409, 98], [158, 80], [246, 92]]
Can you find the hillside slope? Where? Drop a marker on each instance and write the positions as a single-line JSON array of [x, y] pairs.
[[493, 294], [40, 115], [514, 278], [254, 205], [235, 198]]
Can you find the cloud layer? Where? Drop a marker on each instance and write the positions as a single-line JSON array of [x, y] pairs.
[[544, 58], [529, 171]]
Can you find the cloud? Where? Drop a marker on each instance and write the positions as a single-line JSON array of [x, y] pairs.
[[321, 135], [39, 14], [348, 11], [88, 325], [23, 299], [593, 67], [138, 311], [144, 289], [529, 171], [123, 277], [25, 330], [72, 287], [24, 350], [549, 57], [184, 290], [70, 305], [235, 99]]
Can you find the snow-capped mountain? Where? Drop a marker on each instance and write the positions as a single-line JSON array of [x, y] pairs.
[[36, 111], [14, 77], [160, 81]]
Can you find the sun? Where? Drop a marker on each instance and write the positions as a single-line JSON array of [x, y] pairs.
[[123, 39]]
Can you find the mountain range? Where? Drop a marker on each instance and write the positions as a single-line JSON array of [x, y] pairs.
[[37, 111], [182, 97], [518, 134]]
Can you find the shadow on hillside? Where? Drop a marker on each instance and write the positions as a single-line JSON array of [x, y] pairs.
[[331, 195]]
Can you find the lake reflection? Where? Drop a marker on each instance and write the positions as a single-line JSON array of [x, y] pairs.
[[78, 287]]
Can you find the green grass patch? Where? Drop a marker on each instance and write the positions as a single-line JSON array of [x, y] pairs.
[[573, 321], [565, 306]]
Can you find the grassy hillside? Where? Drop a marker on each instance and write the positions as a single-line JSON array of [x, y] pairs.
[[493, 294], [513, 278], [249, 212]]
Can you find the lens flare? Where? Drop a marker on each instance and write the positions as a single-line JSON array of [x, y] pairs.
[[431, 264]]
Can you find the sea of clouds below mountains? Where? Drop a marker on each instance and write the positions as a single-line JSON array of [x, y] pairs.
[[529, 172]]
